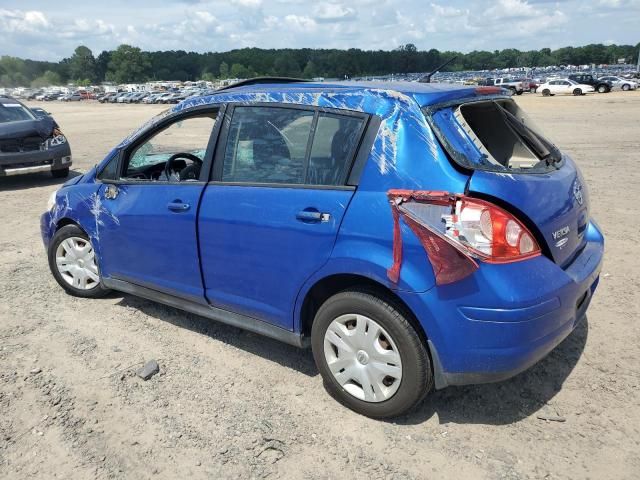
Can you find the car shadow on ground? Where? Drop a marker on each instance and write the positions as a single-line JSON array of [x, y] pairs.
[[491, 404], [33, 180], [509, 401], [286, 355]]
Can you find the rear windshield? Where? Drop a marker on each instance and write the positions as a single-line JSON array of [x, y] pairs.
[[494, 135], [14, 112]]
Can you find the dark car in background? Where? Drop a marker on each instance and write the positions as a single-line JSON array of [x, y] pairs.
[[31, 143], [40, 112], [601, 86]]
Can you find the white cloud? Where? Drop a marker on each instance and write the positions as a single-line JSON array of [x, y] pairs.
[[333, 12], [300, 22]]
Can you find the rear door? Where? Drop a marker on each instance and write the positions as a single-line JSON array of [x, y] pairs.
[[270, 217]]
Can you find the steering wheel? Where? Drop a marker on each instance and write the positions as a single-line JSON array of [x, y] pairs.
[[192, 173]]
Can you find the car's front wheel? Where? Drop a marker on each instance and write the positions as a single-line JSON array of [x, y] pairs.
[[546, 92], [577, 92], [602, 89], [73, 263], [370, 356]]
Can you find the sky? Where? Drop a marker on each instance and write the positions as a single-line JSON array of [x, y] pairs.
[[45, 30]]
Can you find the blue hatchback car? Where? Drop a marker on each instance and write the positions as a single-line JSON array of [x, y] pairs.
[[414, 235]]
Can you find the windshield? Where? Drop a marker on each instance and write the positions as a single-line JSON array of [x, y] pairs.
[[14, 112]]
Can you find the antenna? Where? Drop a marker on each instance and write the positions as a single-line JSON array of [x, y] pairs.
[[427, 77]]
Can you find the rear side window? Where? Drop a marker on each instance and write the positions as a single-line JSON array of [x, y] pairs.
[[267, 145], [334, 143], [276, 145]]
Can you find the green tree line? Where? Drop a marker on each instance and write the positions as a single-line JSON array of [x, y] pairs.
[[130, 64]]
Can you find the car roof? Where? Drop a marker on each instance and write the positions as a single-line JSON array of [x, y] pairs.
[[308, 92], [12, 100]]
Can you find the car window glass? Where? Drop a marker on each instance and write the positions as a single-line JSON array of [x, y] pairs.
[[267, 145], [334, 143], [187, 136], [14, 112]]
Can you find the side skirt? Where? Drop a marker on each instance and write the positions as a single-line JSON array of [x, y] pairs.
[[212, 313]]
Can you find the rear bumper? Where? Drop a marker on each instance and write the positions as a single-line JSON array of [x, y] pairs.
[[505, 318], [21, 163]]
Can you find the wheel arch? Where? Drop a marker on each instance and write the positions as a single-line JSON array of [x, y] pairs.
[[64, 221], [327, 286]]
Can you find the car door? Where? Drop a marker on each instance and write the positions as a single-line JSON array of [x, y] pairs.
[[270, 217], [564, 86], [146, 215]]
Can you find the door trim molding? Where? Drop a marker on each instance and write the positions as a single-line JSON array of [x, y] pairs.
[[213, 313]]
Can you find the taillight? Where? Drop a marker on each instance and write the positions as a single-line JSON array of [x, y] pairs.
[[457, 230]]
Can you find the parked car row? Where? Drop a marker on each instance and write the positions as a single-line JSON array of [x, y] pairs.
[[147, 97], [63, 97], [580, 84], [575, 84]]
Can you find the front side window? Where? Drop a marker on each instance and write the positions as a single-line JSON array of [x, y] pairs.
[[289, 146], [175, 153]]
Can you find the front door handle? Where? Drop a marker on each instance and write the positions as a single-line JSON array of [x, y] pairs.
[[178, 206]]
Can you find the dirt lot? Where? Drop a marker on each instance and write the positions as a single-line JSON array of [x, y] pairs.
[[229, 404]]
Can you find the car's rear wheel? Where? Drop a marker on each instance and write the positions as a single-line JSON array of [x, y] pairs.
[[60, 173], [370, 357], [546, 92], [72, 261], [602, 89], [626, 87], [577, 92]]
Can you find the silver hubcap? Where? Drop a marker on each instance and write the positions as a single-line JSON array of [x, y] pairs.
[[76, 263], [363, 358]]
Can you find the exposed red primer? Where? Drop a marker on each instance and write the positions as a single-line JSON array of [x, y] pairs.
[[449, 264]]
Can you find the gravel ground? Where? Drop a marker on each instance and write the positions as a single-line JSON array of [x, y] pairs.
[[229, 404]]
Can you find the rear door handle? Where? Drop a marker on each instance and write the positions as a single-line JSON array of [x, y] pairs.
[[178, 206], [312, 216]]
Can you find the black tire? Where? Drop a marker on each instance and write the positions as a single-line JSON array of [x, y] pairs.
[[532, 90], [577, 92], [546, 92], [626, 87], [520, 92], [417, 375], [512, 90], [65, 232], [60, 173], [602, 89]]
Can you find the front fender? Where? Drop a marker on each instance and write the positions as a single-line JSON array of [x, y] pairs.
[[80, 204]]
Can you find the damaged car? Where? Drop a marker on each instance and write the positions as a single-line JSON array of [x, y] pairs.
[[31, 142], [414, 236]]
